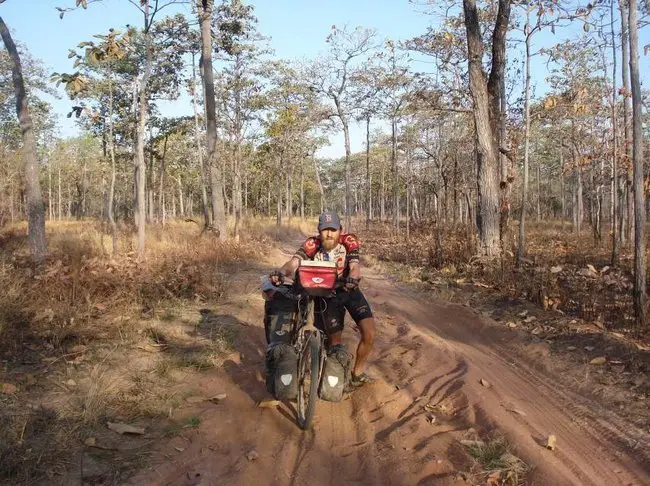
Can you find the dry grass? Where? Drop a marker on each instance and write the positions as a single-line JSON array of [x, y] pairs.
[[433, 254], [91, 337], [499, 466]]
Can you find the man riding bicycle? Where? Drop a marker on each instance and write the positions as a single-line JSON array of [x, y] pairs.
[[343, 249]]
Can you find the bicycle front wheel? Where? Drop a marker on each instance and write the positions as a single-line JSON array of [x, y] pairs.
[[308, 371]]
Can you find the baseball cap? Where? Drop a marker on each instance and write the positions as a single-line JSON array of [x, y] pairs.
[[330, 220]]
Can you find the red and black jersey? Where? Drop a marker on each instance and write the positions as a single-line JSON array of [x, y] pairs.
[[345, 252]]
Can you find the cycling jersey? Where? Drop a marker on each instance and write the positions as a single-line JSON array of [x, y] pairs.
[[346, 251], [330, 312]]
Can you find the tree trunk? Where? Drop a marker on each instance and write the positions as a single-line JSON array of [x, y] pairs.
[[289, 189], [207, 220], [393, 168], [278, 215], [368, 177], [521, 250], [382, 193], [111, 151], [346, 135], [539, 191], [205, 17], [36, 211], [58, 195], [626, 233], [616, 257], [302, 189], [237, 186], [562, 186], [637, 161], [161, 186], [320, 186], [486, 106], [140, 163]]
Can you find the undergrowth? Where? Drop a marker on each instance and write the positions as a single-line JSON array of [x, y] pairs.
[[562, 270], [91, 337]]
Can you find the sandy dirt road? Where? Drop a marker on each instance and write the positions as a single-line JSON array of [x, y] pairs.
[[428, 354]]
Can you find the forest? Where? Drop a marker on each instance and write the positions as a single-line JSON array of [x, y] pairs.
[[496, 160]]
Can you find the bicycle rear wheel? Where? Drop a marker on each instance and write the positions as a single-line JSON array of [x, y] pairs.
[[308, 377]]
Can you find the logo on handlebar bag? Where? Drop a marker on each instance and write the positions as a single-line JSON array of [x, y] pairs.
[[317, 280]]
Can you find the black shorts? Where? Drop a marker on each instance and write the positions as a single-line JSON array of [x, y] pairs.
[[330, 313]]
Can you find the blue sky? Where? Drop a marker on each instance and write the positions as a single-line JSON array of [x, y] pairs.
[[297, 29]]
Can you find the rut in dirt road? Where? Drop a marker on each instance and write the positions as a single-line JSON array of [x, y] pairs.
[[407, 428]]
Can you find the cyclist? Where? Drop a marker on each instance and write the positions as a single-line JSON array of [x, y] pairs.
[[343, 249]]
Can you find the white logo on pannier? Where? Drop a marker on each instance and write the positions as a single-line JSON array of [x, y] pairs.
[[317, 280], [286, 379], [332, 380]]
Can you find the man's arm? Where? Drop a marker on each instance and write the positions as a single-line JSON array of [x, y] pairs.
[[289, 268], [352, 246], [355, 269]]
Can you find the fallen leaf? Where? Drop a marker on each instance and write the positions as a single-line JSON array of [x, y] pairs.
[[219, 397], [517, 411], [523, 314], [493, 479], [179, 449], [431, 418], [530, 319], [600, 360], [592, 268], [571, 348], [586, 272], [71, 383], [429, 408], [482, 285], [589, 348], [8, 388], [195, 399], [512, 325], [269, 403], [556, 269], [122, 428], [485, 383], [252, 455], [551, 442]]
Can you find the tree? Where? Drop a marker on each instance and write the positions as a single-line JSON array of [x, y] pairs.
[[394, 84], [640, 296], [240, 48], [486, 96], [204, 10], [331, 77], [36, 212], [112, 48]]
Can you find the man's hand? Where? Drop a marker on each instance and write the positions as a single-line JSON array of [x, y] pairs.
[[277, 277], [352, 283]]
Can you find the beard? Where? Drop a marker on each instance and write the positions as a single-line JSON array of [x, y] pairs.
[[329, 243]]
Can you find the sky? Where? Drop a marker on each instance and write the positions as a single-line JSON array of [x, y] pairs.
[[297, 29]]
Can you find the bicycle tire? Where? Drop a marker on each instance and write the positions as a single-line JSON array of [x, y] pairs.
[[308, 366]]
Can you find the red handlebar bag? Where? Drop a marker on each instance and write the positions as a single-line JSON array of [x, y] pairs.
[[317, 278]]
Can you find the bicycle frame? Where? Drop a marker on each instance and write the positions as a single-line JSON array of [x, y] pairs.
[[305, 327]]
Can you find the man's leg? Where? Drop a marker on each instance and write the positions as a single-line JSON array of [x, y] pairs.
[[335, 338], [367, 330], [329, 315], [359, 309]]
